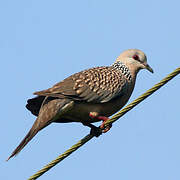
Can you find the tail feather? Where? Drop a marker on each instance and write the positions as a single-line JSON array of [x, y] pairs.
[[27, 138], [46, 116]]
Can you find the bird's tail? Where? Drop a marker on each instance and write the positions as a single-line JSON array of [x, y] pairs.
[[33, 131], [46, 117]]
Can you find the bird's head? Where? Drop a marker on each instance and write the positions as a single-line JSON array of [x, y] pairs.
[[134, 59]]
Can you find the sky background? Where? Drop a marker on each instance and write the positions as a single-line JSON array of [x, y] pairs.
[[42, 42]]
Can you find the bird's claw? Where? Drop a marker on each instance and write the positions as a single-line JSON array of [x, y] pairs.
[[97, 131], [105, 128]]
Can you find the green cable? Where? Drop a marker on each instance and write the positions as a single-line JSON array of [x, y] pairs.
[[110, 121]]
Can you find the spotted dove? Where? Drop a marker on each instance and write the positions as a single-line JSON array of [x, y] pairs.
[[95, 94]]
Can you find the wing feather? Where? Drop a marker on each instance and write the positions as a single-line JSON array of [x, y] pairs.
[[97, 85]]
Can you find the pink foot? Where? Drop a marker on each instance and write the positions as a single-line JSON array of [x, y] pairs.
[[104, 119]]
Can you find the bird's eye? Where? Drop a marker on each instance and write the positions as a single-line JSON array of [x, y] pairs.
[[136, 57]]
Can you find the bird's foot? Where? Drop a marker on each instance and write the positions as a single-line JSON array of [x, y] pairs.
[[95, 131], [104, 119]]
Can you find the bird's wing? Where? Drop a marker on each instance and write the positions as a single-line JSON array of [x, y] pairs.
[[96, 85]]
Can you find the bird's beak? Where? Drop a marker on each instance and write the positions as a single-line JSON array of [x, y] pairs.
[[149, 68]]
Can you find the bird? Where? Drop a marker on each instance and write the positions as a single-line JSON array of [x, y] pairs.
[[93, 95]]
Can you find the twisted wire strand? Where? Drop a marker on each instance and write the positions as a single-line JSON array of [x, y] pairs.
[[110, 121]]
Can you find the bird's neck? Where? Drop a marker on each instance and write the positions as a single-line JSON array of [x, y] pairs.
[[124, 69], [128, 71]]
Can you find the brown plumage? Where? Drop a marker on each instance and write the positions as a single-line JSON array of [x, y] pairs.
[[97, 92]]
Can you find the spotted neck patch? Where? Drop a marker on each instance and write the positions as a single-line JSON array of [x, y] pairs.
[[123, 68]]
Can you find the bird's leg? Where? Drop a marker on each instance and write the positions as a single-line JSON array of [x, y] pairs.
[[96, 131], [104, 119]]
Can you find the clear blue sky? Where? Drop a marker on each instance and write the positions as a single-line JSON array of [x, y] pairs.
[[42, 42]]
